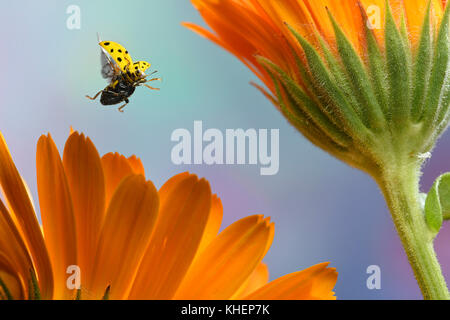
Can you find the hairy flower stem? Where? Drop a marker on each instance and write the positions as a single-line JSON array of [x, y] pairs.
[[400, 186]]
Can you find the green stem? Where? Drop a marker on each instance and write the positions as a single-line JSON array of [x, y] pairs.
[[400, 186]]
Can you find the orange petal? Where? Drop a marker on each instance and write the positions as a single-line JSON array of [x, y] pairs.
[[167, 187], [125, 235], [214, 222], [14, 250], [115, 167], [12, 280], [228, 261], [22, 208], [183, 216], [258, 278], [415, 11], [136, 165], [257, 27], [84, 172], [314, 283], [13, 284], [373, 7], [56, 213]]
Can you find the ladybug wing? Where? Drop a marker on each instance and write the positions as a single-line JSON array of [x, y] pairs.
[[118, 54], [108, 66], [108, 70], [141, 66]]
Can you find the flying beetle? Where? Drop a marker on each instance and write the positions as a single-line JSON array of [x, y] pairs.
[[122, 74]]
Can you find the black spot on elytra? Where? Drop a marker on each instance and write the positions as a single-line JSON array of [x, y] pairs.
[[136, 67], [126, 52], [112, 50], [106, 43], [119, 59], [120, 50]]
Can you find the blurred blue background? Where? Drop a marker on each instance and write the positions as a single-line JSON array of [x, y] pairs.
[[323, 209]]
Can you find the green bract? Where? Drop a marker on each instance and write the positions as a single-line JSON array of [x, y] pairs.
[[393, 103], [381, 113]]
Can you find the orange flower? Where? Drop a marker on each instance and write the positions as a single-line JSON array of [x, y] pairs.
[[248, 28], [129, 240]]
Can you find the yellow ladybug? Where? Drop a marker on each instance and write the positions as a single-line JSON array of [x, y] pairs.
[[123, 75]]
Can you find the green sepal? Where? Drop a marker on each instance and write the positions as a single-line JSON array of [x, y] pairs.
[[439, 75], [377, 67], [5, 289], [319, 138], [342, 79], [362, 87], [35, 292], [264, 91], [398, 73], [353, 124], [445, 104], [78, 294], [107, 293], [309, 106], [303, 124], [437, 203], [422, 68], [298, 119], [406, 42]]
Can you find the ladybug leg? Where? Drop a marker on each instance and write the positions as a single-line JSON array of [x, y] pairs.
[[95, 97], [127, 67], [123, 106], [153, 79], [151, 87], [151, 73]]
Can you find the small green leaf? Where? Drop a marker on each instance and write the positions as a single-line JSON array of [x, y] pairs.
[[444, 195], [437, 203], [433, 211]]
